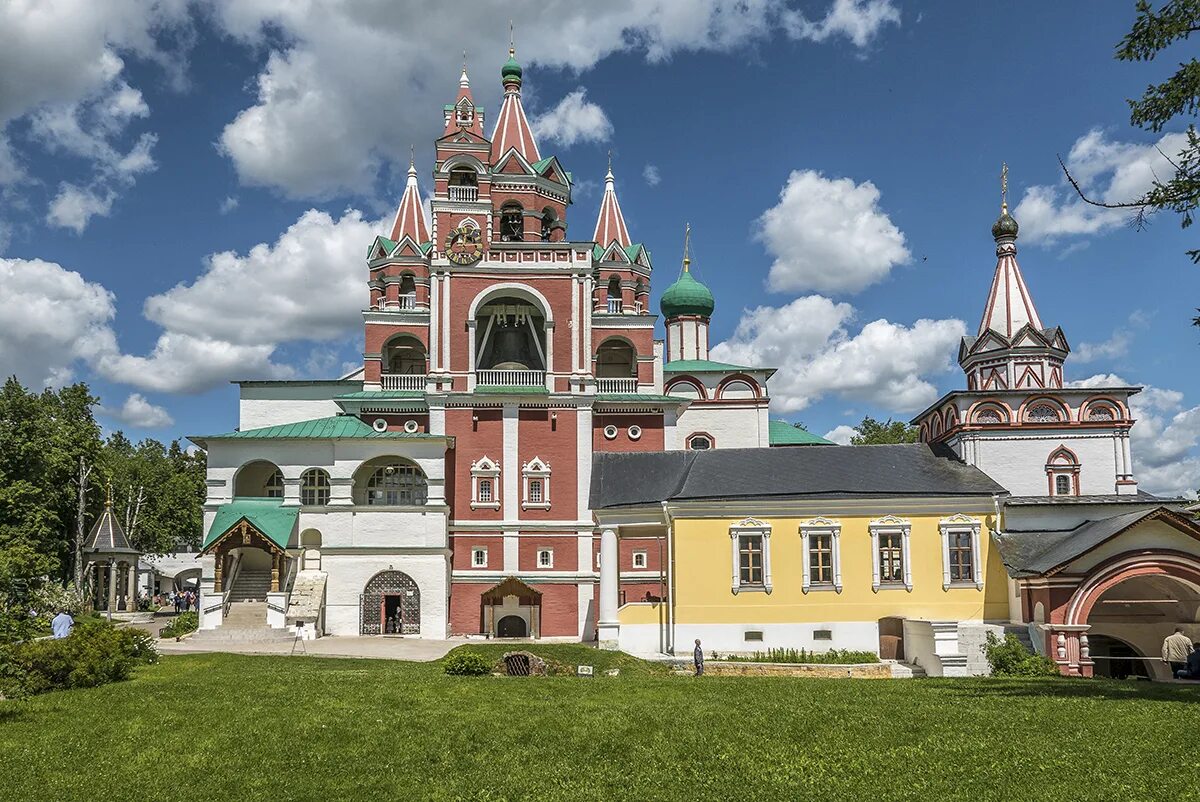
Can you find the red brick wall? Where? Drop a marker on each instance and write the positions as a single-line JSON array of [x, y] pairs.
[[462, 544], [650, 545], [465, 610], [652, 438], [554, 441], [378, 335], [472, 441], [560, 608], [566, 552]]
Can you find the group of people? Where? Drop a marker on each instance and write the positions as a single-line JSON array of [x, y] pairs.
[[181, 600], [1181, 655]]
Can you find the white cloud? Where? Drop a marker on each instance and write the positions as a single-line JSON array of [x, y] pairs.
[[1107, 171], [320, 125], [858, 20], [841, 434], [574, 119], [228, 205], [1115, 346], [809, 341], [139, 413], [309, 285], [53, 320], [829, 234], [1164, 439], [651, 175], [62, 69]]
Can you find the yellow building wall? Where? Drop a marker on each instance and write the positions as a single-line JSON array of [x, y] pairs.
[[704, 569]]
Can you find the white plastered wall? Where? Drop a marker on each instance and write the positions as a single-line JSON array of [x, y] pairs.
[[271, 406]]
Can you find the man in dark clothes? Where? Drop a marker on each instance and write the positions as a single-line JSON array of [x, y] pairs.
[[698, 657], [1191, 669]]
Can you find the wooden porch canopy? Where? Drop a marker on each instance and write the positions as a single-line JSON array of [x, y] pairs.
[[262, 523], [511, 586]]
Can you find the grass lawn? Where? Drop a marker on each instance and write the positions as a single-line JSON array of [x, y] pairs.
[[239, 727]]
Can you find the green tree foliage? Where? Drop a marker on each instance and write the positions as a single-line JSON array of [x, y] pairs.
[[872, 432], [157, 492], [1010, 658]]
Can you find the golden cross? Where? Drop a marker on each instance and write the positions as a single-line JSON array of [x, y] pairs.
[[687, 233], [1004, 186], [512, 46]]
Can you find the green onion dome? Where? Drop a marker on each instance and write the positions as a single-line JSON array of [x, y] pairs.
[[511, 68], [686, 297], [1006, 226]]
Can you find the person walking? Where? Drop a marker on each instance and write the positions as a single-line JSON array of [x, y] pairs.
[[1175, 650], [61, 624], [698, 658]]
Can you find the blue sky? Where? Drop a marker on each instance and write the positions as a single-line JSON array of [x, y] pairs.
[[277, 135]]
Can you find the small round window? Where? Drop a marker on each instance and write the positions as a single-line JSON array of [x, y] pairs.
[[410, 426], [635, 432], [610, 432], [699, 442], [379, 425]]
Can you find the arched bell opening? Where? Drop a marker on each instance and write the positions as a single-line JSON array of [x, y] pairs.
[[510, 334]]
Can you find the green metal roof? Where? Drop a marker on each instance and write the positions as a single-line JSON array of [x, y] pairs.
[[380, 395], [644, 397], [496, 389], [702, 366], [631, 251], [541, 164], [426, 247], [783, 433], [267, 515], [687, 297], [339, 427]]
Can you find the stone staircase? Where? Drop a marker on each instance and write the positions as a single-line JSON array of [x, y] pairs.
[[902, 670], [246, 617], [251, 585]]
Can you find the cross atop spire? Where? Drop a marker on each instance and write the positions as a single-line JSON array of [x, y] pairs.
[[1003, 188], [610, 225], [463, 81], [512, 128], [410, 216], [687, 235]]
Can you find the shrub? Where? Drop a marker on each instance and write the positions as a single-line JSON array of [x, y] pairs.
[[831, 657], [182, 625], [465, 663], [1010, 658], [94, 654], [51, 598]]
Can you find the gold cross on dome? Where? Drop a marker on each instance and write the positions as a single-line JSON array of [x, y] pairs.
[[1004, 186]]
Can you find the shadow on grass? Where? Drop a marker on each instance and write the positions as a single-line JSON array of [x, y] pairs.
[[9, 711], [1104, 689]]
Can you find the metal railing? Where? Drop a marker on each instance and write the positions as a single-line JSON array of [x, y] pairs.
[[464, 194], [408, 301], [616, 385], [511, 378], [615, 305], [402, 381]]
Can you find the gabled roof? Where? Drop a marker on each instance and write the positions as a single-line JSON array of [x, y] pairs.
[[512, 129], [917, 469], [268, 515], [380, 245], [107, 536], [1027, 554], [610, 223], [410, 216], [338, 427], [783, 433]]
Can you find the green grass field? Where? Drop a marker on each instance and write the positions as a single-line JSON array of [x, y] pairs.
[[216, 727]]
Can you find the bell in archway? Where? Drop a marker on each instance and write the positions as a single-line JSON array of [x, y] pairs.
[[510, 349]]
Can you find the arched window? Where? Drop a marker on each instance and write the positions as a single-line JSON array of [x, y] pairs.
[[396, 484], [408, 292], [463, 177], [989, 416], [274, 485], [1100, 412], [548, 217], [1043, 413], [684, 389], [1062, 485], [615, 359], [404, 356], [314, 488], [738, 389], [614, 295], [512, 223], [700, 442]]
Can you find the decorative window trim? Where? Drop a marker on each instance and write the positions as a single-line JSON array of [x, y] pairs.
[[645, 558], [890, 525], [538, 558], [315, 485], [634, 432], [712, 441], [750, 527], [476, 550], [956, 524], [535, 469], [610, 432], [821, 526], [1062, 462], [485, 468]]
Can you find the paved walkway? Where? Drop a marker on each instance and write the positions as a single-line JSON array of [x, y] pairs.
[[383, 648]]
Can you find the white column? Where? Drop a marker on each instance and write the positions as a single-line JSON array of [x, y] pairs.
[[583, 449], [445, 320], [609, 565], [575, 332], [435, 323], [511, 464]]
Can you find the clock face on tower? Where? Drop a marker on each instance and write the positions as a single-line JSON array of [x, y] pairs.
[[463, 246]]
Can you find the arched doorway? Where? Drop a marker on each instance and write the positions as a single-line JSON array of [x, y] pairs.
[[258, 479], [390, 605], [1116, 659], [511, 626]]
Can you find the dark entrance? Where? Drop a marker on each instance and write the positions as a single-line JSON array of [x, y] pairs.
[[391, 594], [511, 626], [393, 614], [891, 638]]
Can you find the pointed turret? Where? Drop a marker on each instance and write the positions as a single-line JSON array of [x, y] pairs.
[[464, 114], [410, 216], [512, 127], [1012, 350], [686, 307], [610, 225]]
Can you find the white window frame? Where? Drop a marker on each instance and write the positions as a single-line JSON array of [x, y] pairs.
[[891, 525], [475, 552], [821, 526], [750, 527], [645, 558], [535, 469], [485, 468], [957, 524], [549, 563]]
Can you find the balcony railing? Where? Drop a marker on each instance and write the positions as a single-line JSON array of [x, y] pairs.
[[402, 381], [408, 301], [614, 306], [464, 194], [511, 378], [616, 385]]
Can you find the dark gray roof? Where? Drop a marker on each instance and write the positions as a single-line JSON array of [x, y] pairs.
[[1037, 553], [107, 536], [918, 469], [1141, 497]]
